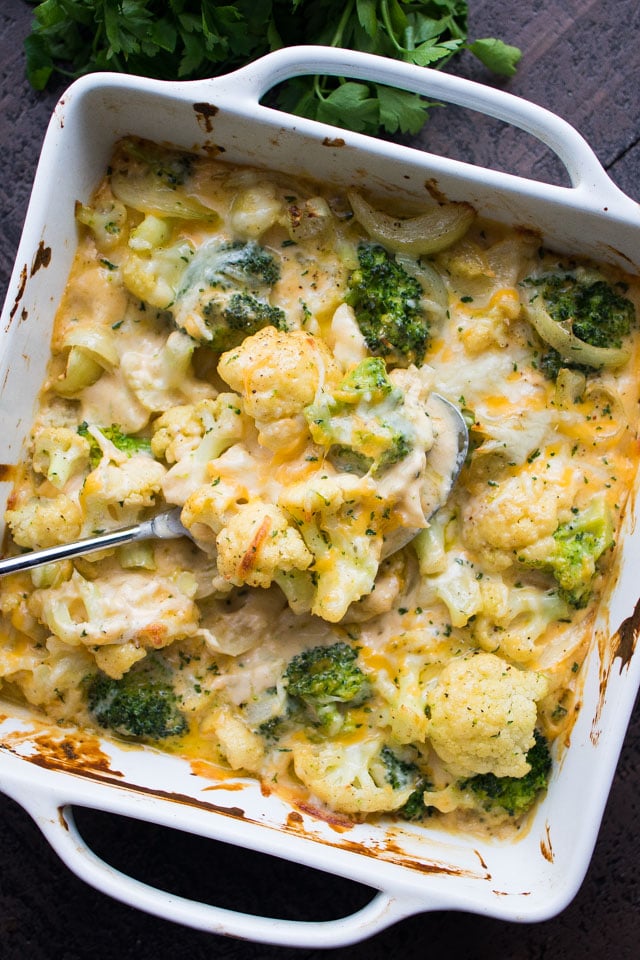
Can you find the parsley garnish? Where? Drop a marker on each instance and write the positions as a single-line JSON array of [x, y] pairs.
[[193, 39]]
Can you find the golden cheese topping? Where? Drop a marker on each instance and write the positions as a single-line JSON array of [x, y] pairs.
[[260, 351]]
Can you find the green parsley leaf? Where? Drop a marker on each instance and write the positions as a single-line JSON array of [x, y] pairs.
[[40, 65], [400, 110], [195, 39], [366, 11], [496, 55], [350, 105]]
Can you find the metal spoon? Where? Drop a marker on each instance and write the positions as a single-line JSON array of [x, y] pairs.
[[164, 526], [168, 526], [451, 446]]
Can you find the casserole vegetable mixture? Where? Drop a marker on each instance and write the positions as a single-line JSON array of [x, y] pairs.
[[263, 352]]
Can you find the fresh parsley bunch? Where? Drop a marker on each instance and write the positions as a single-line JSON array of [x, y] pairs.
[[193, 39]]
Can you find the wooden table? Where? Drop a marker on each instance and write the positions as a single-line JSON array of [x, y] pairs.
[[582, 61]]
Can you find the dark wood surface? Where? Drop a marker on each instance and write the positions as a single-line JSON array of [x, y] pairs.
[[581, 60]]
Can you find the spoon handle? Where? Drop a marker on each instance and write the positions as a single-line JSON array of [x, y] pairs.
[[163, 526]]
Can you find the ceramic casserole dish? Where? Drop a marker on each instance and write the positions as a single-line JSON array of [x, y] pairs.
[[411, 868]]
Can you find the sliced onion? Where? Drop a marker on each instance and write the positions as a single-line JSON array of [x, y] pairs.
[[309, 219], [82, 371], [99, 344], [594, 429], [139, 187], [428, 233], [559, 336], [570, 386], [148, 195]]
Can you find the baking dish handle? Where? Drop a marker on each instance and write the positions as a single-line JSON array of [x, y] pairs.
[[58, 826], [255, 80]]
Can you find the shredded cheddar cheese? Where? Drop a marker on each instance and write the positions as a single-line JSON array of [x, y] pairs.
[[220, 335]]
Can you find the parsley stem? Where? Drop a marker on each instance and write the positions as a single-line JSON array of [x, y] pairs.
[[336, 40], [386, 19]]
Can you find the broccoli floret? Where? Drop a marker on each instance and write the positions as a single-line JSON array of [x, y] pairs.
[[224, 294], [388, 306], [399, 774], [123, 441], [594, 311], [361, 422], [231, 265], [142, 704], [367, 381], [323, 677], [551, 362], [514, 794], [249, 263], [415, 808], [597, 313], [578, 544], [239, 317]]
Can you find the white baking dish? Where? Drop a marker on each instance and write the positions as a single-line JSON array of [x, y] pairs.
[[410, 868]]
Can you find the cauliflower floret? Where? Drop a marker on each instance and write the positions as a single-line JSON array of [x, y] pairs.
[[308, 219], [404, 697], [255, 209], [241, 747], [482, 715], [164, 377], [259, 543], [341, 520], [511, 620], [44, 522], [116, 659], [190, 436], [115, 494], [457, 587], [518, 511], [50, 681], [106, 217], [59, 454], [278, 374], [155, 275], [143, 609], [349, 777], [234, 478], [178, 431]]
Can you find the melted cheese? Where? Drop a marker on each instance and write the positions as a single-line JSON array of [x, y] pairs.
[[539, 457]]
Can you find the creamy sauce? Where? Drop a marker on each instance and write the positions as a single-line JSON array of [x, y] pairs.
[[295, 551]]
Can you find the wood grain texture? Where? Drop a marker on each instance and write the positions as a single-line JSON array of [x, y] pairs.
[[581, 60]]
